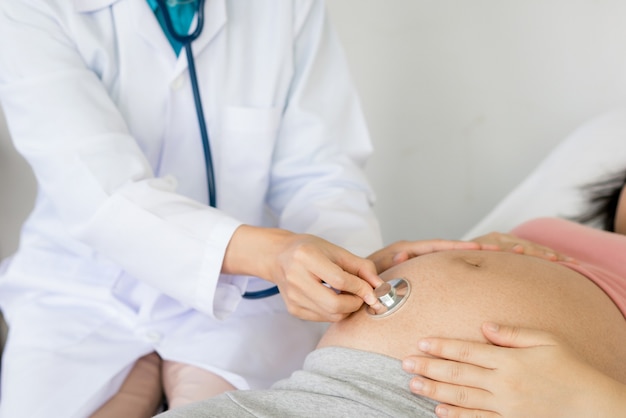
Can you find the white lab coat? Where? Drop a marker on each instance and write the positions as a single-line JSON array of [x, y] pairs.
[[121, 255]]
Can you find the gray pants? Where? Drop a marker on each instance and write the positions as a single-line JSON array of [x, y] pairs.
[[334, 382]]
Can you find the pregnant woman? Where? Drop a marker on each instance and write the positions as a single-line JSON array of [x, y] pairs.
[[356, 369]]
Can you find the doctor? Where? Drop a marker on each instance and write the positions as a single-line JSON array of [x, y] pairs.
[[122, 256]]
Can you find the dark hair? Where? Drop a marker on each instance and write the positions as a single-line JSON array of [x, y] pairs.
[[603, 197]]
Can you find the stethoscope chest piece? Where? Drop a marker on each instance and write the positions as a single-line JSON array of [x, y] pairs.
[[392, 295]]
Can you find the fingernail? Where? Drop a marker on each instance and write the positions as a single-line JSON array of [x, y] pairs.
[[417, 384], [441, 411], [423, 345], [492, 327], [408, 365], [379, 307], [370, 299]]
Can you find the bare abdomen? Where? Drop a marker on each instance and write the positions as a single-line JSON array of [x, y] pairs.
[[454, 292]]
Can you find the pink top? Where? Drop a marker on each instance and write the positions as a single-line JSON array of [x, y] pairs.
[[600, 255]]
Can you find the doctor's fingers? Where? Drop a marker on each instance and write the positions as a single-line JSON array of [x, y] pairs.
[[329, 262], [345, 272], [307, 297], [317, 302], [343, 268], [347, 283]]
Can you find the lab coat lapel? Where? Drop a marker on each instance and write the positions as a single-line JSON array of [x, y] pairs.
[[148, 28], [140, 16]]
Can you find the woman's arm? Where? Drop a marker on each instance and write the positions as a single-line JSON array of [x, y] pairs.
[[528, 373]]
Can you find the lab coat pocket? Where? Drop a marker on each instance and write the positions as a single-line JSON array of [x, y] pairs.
[[248, 136]]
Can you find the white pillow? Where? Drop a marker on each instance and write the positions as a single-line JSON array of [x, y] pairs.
[[594, 150]]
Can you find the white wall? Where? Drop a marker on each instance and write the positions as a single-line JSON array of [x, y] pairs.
[[463, 99]]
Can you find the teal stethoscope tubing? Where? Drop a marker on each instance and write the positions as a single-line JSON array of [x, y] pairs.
[[186, 41]]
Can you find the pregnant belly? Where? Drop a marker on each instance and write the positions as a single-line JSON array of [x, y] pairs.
[[454, 292]]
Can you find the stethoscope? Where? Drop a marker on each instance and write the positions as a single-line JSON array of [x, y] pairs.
[[392, 295], [186, 41]]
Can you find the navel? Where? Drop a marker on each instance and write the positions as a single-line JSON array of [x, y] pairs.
[[473, 260]]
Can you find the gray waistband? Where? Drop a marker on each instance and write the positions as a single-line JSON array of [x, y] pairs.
[[334, 383], [375, 382]]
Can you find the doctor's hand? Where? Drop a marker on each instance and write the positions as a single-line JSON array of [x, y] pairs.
[[538, 376], [319, 281], [401, 251]]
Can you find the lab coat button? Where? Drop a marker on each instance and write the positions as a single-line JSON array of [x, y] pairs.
[[153, 336], [178, 83]]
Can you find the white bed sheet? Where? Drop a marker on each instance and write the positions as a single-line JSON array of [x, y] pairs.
[[592, 151]]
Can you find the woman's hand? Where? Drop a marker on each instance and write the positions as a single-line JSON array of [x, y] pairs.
[[319, 281], [511, 243], [401, 251], [540, 377]]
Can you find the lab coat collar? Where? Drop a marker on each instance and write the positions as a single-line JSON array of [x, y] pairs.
[[150, 30]]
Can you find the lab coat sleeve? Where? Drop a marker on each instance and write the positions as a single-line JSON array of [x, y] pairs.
[[101, 186], [318, 182]]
